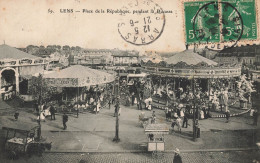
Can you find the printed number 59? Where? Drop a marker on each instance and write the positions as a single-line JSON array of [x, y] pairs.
[[191, 34]]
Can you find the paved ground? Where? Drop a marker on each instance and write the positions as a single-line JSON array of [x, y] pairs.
[[91, 132], [195, 157], [94, 133]]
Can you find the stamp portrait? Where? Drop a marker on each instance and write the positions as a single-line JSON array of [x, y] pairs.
[[220, 21]]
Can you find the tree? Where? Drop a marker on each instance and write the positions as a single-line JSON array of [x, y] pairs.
[[41, 93], [40, 90]]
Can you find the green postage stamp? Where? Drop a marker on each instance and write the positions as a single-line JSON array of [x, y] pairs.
[[219, 21]]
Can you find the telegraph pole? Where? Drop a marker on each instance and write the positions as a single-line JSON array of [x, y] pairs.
[[195, 111], [39, 109], [194, 126]]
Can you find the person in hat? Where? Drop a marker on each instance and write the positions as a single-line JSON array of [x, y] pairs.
[[185, 120], [153, 118], [177, 157], [65, 119], [52, 110], [109, 102], [16, 115]]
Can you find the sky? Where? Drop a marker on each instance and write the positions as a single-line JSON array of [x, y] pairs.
[[26, 22]]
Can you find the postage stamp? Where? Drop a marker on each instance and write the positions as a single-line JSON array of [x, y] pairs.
[[220, 21], [144, 25]]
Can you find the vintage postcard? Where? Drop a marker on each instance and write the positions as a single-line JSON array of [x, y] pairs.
[[96, 81]]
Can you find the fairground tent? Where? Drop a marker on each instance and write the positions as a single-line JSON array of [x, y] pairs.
[[77, 76], [190, 58]]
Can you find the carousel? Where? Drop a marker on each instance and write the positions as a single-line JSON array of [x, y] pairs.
[[186, 70], [82, 87]]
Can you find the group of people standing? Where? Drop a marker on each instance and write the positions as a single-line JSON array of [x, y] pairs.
[[175, 114], [45, 110]]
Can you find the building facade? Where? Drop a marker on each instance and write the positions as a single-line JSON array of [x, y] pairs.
[[247, 55], [16, 67]]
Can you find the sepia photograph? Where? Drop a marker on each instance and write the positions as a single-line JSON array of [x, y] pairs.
[[129, 81]]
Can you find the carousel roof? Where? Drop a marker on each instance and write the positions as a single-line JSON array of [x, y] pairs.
[[8, 52], [76, 71], [189, 57], [83, 76]]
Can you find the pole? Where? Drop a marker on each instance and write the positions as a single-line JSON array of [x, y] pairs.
[[116, 138], [209, 81], [96, 98], [40, 103], [195, 109], [194, 128], [77, 103], [174, 84]]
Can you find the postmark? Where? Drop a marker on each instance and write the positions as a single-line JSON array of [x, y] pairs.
[[144, 25], [221, 22]]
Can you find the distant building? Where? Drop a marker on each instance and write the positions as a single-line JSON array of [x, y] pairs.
[[207, 53], [257, 59], [93, 58], [125, 62], [247, 55], [125, 58]]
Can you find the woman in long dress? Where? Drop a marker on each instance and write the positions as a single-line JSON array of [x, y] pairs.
[[41, 116], [98, 106], [225, 99], [202, 114]]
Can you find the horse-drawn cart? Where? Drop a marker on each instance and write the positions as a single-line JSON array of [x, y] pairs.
[[22, 139]]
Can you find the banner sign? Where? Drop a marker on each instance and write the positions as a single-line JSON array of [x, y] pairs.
[[62, 82]]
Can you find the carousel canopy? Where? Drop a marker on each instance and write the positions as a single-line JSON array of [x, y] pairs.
[[189, 57], [7, 52], [78, 76]]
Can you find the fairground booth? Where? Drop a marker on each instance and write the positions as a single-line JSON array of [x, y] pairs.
[[81, 86], [16, 69]]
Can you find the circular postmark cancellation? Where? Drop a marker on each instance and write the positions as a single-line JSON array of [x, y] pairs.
[[218, 22], [144, 25]]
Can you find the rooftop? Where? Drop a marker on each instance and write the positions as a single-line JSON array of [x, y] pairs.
[[189, 57], [8, 52]]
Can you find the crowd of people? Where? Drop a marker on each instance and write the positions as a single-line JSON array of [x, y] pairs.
[[183, 103]]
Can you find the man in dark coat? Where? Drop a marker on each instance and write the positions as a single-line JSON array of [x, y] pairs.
[[65, 120], [113, 99], [177, 158], [185, 120], [16, 115], [133, 98], [109, 102], [52, 111], [36, 107]]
